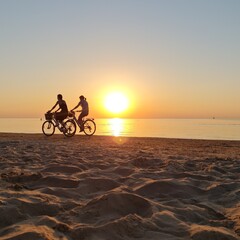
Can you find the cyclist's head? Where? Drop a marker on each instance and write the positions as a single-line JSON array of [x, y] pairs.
[[82, 97], [59, 96]]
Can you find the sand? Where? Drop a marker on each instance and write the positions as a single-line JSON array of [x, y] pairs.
[[100, 188]]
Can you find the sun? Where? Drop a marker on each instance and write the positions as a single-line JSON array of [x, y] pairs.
[[116, 102]]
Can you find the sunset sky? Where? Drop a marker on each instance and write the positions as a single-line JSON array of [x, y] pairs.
[[171, 58]]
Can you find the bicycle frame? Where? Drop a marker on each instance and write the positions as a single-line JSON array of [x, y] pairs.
[[76, 120], [57, 124], [67, 126]]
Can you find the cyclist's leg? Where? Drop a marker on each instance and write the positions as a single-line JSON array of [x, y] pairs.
[[80, 119], [57, 117], [60, 116]]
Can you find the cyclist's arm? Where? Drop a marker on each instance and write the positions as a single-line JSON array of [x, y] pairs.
[[76, 107], [57, 109], [54, 107]]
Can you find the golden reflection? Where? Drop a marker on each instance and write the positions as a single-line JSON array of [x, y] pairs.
[[116, 125]]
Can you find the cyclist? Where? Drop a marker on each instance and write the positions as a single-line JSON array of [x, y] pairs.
[[60, 116], [85, 110]]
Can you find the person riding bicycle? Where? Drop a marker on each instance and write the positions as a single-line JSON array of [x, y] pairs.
[[85, 110], [60, 116]]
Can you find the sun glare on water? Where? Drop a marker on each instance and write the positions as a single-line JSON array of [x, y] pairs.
[[116, 102]]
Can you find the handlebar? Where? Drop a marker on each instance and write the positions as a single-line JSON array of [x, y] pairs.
[[72, 113]]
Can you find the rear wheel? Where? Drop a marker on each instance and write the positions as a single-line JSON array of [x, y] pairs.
[[89, 127], [48, 128], [70, 128]]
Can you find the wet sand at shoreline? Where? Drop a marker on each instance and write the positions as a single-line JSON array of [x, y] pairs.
[[118, 188]]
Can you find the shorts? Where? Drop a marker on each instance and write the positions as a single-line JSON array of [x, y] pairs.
[[61, 116]]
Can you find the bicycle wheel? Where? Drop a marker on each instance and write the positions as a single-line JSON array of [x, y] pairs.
[[70, 128], [48, 128], [89, 127]]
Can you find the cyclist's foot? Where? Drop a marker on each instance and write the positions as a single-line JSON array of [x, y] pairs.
[[81, 130], [62, 129]]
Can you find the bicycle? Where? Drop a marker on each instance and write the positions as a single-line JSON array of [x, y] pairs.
[[89, 126], [68, 127]]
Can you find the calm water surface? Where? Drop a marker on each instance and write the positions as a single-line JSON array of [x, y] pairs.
[[169, 128]]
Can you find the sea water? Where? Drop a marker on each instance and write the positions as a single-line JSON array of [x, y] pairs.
[[225, 129]]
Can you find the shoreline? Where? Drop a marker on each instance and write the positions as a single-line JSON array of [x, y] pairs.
[[8, 134]]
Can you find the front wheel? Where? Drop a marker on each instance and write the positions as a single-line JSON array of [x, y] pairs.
[[89, 127], [48, 128], [70, 128]]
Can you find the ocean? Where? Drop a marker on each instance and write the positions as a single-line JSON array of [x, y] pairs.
[[224, 129]]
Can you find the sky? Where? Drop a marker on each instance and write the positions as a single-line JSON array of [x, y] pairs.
[[171, 58]]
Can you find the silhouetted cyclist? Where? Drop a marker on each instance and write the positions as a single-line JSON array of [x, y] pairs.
[[60, 116], [85, 110]]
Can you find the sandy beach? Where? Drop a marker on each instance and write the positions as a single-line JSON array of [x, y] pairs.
[[104, 188]]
